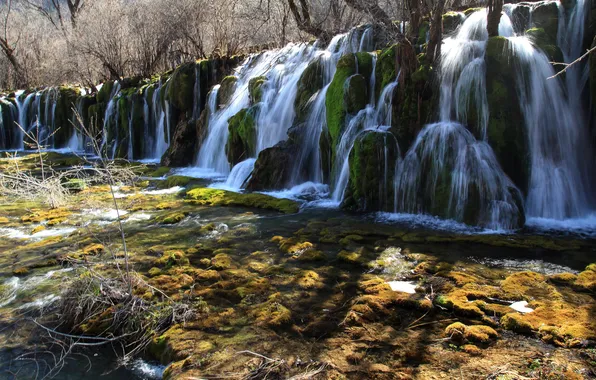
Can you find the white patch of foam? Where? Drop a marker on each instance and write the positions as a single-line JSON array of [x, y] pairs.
[[199, 173], [53, 232], [403, 286], [171, 190], [149, 160], [138, 217], [582, 226], [147, 370], [521, 306], [308, 191], [108, 214], [13, 233], [431, 222]]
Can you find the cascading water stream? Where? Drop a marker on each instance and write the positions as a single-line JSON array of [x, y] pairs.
[[366, 120], [556, 136], [110, 118], [282, 70]]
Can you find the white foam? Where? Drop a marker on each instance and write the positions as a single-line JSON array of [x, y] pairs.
[[583, 226], [521, 306], [147, 370], [199, 173], [108, 214], [138, 217], [307, 191], [171, 190], [403, 286]]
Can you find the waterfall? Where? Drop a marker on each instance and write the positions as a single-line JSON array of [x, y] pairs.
[[275, 115], [368, 119], [556, 135], [448, 173], [110, 117], [23, 107], [239, 175], [77, 142], [570, 38]]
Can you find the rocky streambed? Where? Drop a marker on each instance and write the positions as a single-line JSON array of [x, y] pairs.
[[277, 289]]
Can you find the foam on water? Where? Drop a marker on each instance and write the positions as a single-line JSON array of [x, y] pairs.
[[146, 370], [307, 191], [585, 226]]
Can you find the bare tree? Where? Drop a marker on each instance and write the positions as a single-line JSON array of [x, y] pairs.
[[8, 47]]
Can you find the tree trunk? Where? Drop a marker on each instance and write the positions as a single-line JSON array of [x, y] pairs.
[[495, 7], [433, 50], [21, 81], [304, 22]]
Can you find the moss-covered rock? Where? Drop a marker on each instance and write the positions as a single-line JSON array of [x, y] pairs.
[[311, 81], [255, 89], [226, 90], [451, 21], [546, 16], [337, 96], [372, 169], [520, 17], [216, 197], [386, 70], [242, 136], [187, 139], [172, 218], [506, 132], [273, 169], [543, 41], [180, 87]]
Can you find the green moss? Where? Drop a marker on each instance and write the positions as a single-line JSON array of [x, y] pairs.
[[386, 68], [372, 159], [172, 218], [242, 135], [171, 258], [469, 11], [216, 197], [335, 101], [173, 181], [159, 172]]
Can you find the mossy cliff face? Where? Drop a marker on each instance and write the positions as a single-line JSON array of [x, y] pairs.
[[372, 169], [242, 135], [386, 70], [506, 130], [180, 87], [347, 94]]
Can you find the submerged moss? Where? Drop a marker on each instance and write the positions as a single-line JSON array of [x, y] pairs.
[[216, 197]]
